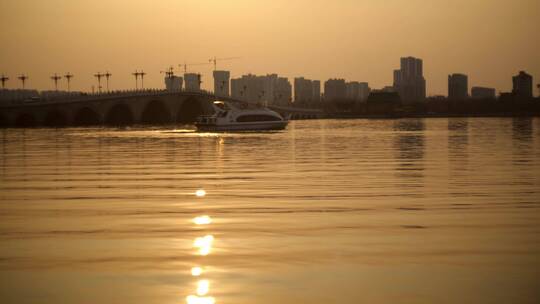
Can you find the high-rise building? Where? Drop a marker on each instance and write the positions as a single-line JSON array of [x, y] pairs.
[[173, 83], [307, 92], [458, 87], [193, 82], [353, 90], [316, 92], [282, 94], [522, 85], [269, 89], [364, 91], [409, 80], [335, 89], [482, 93], [221, 83]]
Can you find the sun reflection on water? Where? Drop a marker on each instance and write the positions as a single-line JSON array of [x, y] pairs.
[[204, 246], [202, 220], [196, 271], [200, 300], [203, 286]]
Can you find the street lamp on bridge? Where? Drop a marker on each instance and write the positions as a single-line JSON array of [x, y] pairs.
[[107, 75], [4, 79], [68, 77], [136, 74], [23, 78], [98, 75], [142, 73], [55, 78]]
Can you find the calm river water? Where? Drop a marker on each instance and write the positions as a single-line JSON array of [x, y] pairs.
[[327, 211]]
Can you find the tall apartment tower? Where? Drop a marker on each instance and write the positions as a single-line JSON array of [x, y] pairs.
[[307, 92], [335, 89], [316, 91], [192, 82], [522, 85], [221, 83], [270, 89], [409, 80], [173, 83], [458, 86]]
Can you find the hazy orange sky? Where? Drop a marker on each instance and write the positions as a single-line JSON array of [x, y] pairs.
[[490, 40]]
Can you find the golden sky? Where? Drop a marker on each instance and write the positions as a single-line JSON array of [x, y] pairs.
[[490, 40]]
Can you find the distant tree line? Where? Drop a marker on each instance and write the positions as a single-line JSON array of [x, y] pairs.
[[389, 104]]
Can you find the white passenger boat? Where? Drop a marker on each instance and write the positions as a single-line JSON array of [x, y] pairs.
[[228, 117]]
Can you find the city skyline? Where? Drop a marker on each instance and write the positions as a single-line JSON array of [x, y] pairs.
[[34, 41]]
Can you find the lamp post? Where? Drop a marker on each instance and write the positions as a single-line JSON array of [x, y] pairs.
[[55, 78], [68, 77], [107, 75], [98, 75], [4, 79], [23, 78], [136, 74], [142, 73]]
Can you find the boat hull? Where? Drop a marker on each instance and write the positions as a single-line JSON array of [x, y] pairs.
[[243, 126]]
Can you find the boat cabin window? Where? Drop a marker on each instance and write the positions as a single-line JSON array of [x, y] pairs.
[[252, 118]]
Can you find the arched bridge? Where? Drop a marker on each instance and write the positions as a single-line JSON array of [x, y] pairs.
[[125, 108]]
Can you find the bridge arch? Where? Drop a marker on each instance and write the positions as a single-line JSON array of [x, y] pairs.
[[56, 118], [119, 115], [25, 120], [86, 117], [189, 111], [156, 112]]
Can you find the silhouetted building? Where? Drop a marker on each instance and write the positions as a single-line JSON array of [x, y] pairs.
[[522, 85], [221, 83], [364, 91], [193, 82], [458, 87], [353, 90], [335, 89], [307, 92], [173, 83], [388, 89], [409, 80], [316, 91], [269, 89], [482, 93], [282, 94]]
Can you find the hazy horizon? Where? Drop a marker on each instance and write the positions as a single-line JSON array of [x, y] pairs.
[[357, 40]]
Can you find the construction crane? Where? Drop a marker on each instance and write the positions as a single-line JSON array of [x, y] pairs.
[[169, 72], [55, 78], [68, 77], [185, 65], [215, 60], [23, 78], [4, 79]]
